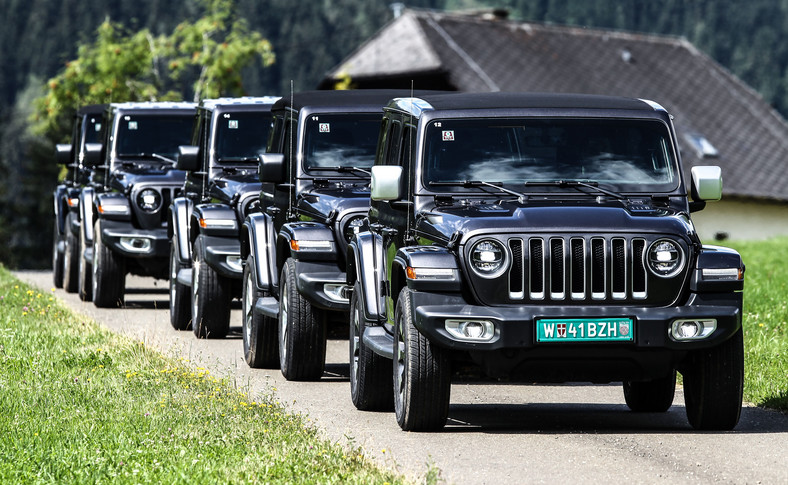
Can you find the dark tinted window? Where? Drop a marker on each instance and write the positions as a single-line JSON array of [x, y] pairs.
[[151, 134], [240, 137], [632, 155], [341, 140]]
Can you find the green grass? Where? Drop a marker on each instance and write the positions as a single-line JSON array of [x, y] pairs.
[[765, 321], [79, 404]]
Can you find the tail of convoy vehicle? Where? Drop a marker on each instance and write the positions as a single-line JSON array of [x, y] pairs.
[[87, 126], [124, 207]]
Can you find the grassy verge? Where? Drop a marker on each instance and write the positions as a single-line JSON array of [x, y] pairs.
[[765, 321], [83, 405]]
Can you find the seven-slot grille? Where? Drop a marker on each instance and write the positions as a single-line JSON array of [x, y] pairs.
[[577, 268]]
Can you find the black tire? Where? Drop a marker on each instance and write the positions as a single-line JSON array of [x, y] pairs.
[[108, 273], [57, 257], [713, 385], [422, 374], [210, 298], [652, 396], [180, 296], [71, 255], [302, 331], [85, 271], [370, 374], [261, 345]]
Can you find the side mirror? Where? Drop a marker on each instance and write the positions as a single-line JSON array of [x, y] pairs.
[[271, 167], [386, 182], [187, 158], [92, 154], [63, 153], [706, 183]]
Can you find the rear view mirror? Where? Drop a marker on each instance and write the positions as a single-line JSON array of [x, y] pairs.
[[271, 167], [386, 182], [92, 154], [706, 183], [188, 158], [63, 153]]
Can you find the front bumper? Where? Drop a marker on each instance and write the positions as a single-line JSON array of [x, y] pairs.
[[132, 242], [321, 284], [514, 350], [223, 254]]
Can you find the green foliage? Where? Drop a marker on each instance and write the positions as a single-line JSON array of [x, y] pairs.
[[765, 322], [83, 405], [121, 65], [219, 45]]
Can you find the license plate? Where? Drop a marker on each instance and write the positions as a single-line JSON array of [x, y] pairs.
[[585, 330]]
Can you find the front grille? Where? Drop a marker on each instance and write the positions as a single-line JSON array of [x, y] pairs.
[[577, 268]]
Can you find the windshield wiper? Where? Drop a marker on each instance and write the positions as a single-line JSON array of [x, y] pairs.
[[344, 169], [576, 184], [237, 159], [147, 155], [481, 183]]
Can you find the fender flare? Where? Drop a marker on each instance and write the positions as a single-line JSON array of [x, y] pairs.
[[180, 215], [86, 198], [258, 240], [59, 196], [307, 231], [365, 261]]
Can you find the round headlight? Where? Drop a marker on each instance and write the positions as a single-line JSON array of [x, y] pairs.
[[149, 200], [665, 258], [353, 226], [488, 258]]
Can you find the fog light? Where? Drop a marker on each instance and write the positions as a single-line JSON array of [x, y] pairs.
[[234, 262], [471, 330], [335, 292], [135, 244], [692, 329]]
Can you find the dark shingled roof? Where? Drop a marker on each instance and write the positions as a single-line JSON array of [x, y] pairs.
[[472, 53]]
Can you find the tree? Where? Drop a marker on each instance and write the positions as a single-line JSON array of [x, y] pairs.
[[138, 66]]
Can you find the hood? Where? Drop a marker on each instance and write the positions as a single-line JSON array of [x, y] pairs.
[[441, 222], [229, 185], [124, 179], [320, 200]]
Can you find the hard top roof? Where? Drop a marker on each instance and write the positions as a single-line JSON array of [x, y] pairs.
[[245, 101], [503, 100], [91, 109], [153, 105], [339, 99]]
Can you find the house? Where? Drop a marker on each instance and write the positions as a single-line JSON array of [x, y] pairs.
[[719, 120]]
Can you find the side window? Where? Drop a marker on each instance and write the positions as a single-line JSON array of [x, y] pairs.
[[289, 143], [393, 143], [203, 141], [275, 135], [382, 140], [407, 151]]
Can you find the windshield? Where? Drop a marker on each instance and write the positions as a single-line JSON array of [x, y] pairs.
[[341, 140], [153, 135], [240, 137], [630, 155]]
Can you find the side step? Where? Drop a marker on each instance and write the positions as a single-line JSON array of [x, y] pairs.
[[185, 276], [377, 339], [267, 306]]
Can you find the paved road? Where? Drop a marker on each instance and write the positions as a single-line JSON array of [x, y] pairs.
[[497, 433]]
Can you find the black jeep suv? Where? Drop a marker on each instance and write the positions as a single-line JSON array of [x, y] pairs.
[[221, 188], [544, 238], [315, 195], [124, 209], [65, 251]]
